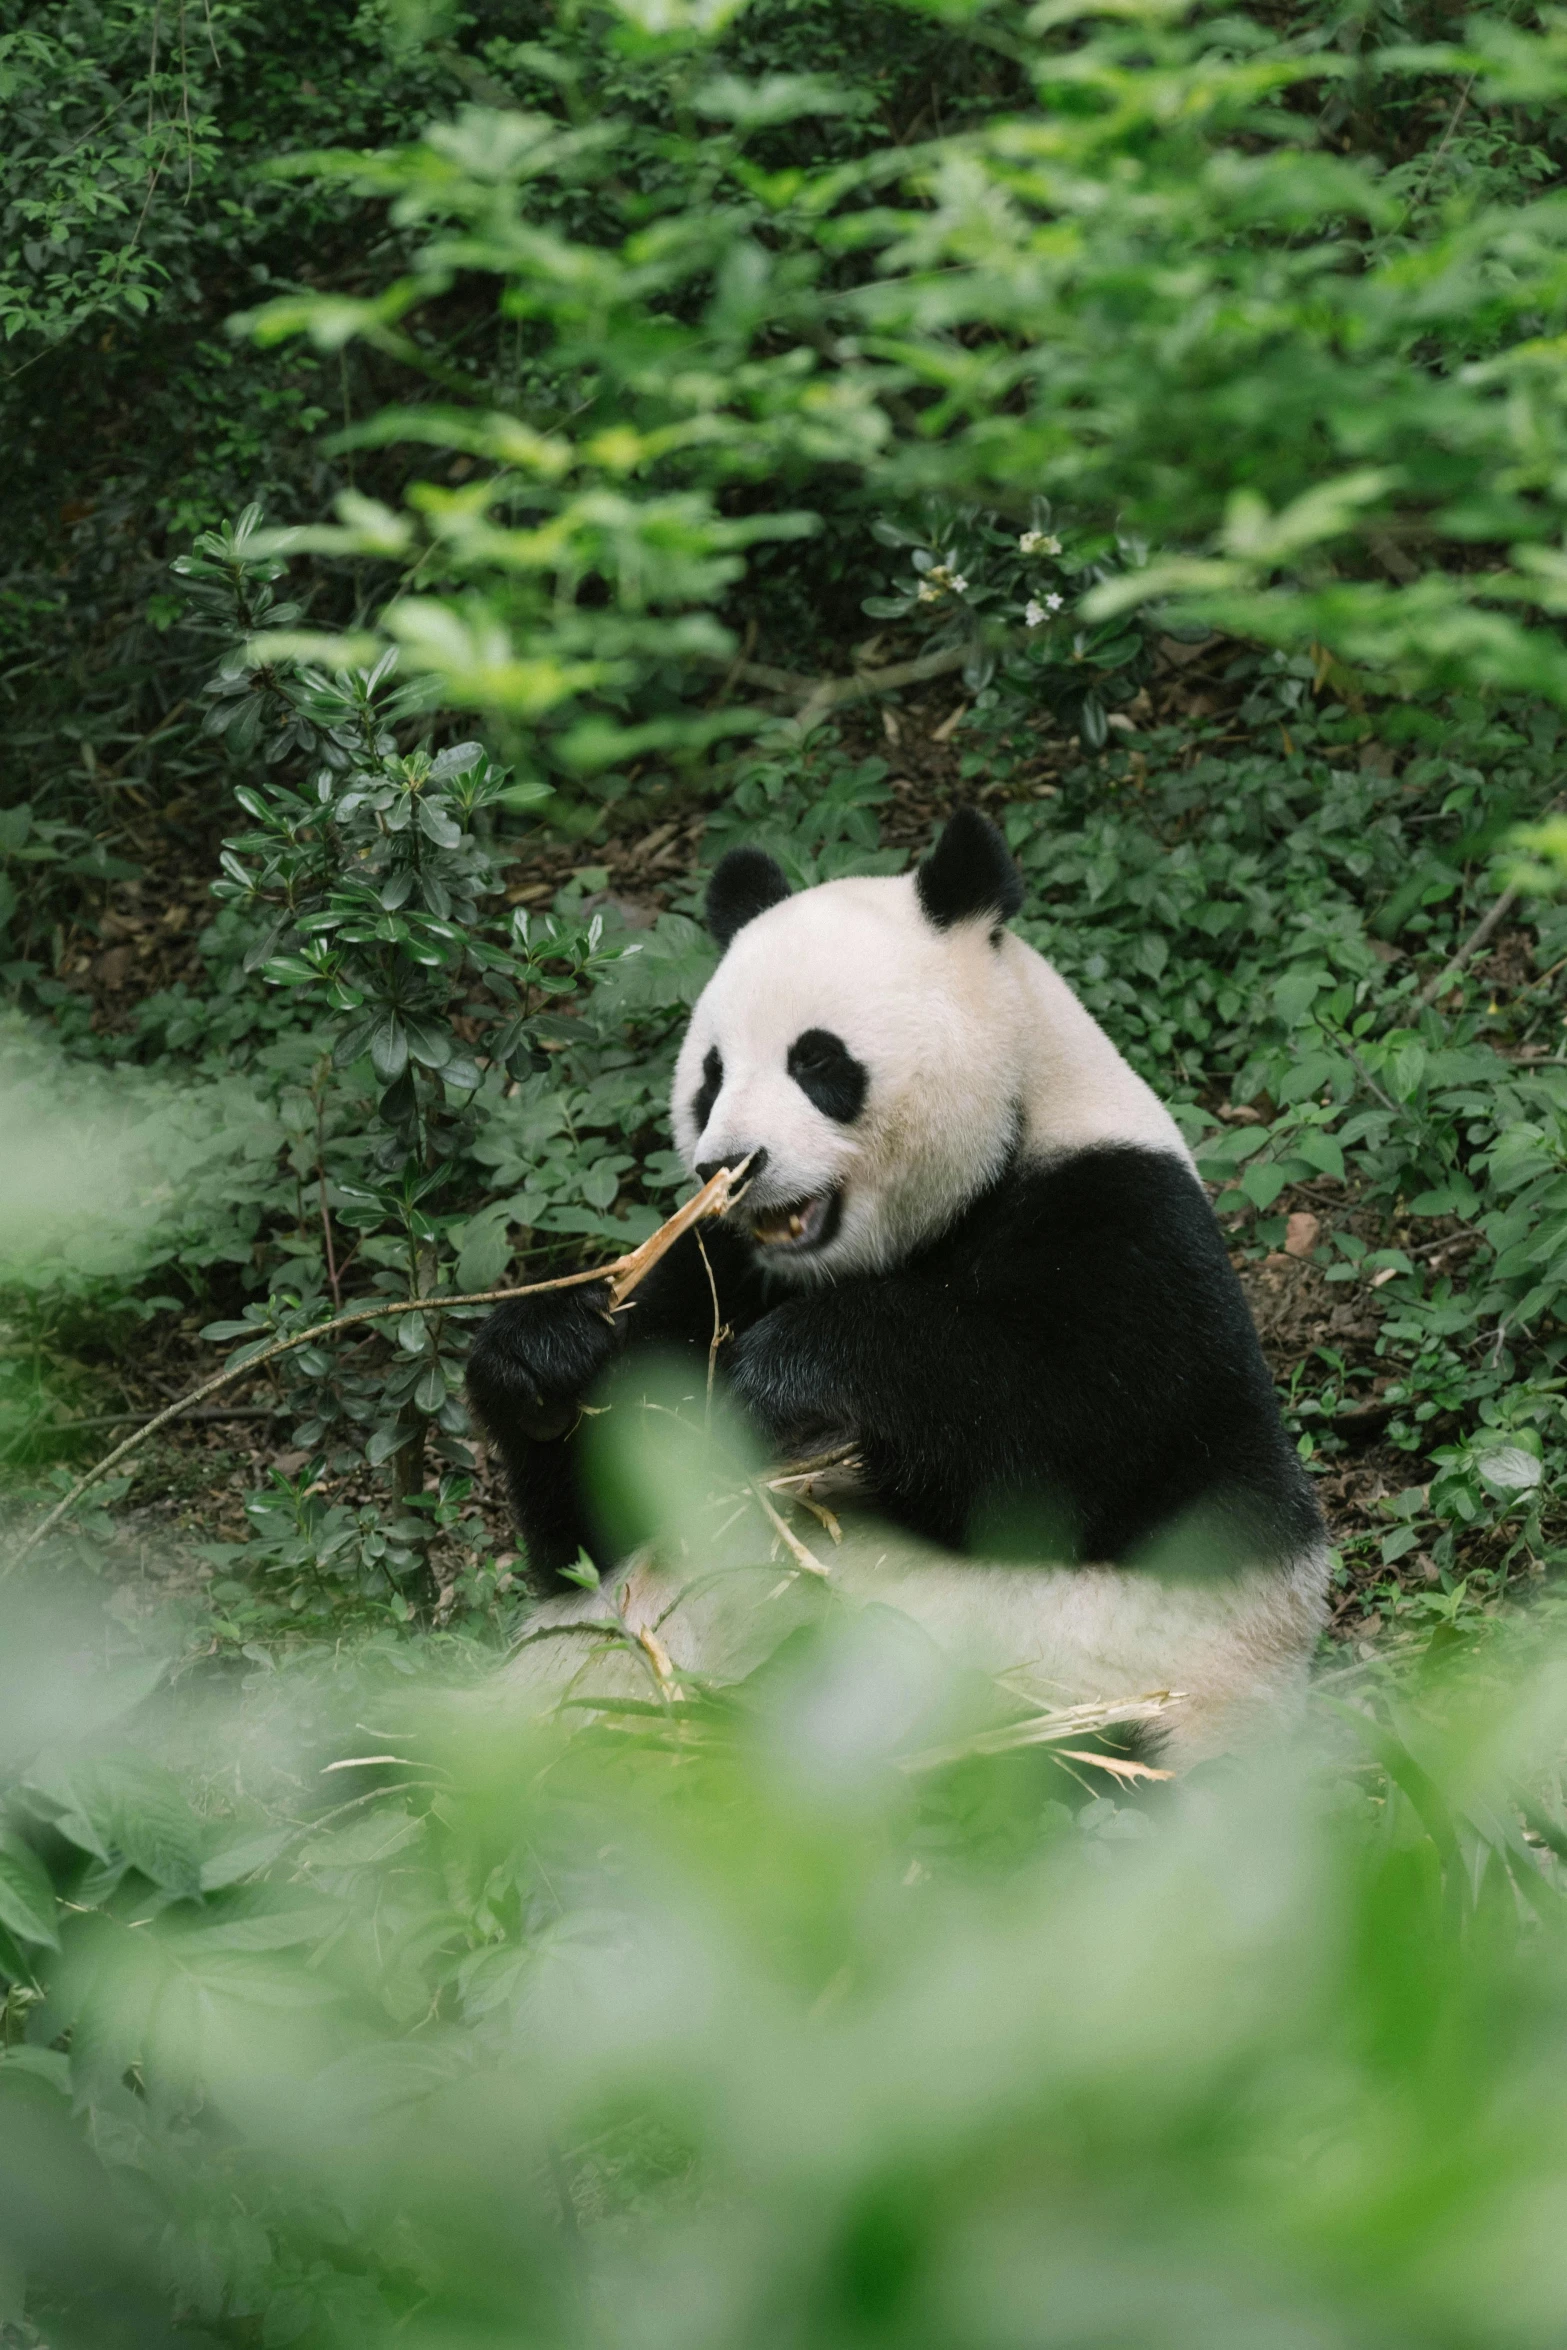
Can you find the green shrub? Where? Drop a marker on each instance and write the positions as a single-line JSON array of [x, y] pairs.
[[1144, 291]]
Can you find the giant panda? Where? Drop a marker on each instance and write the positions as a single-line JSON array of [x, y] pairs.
[[974, 1243]]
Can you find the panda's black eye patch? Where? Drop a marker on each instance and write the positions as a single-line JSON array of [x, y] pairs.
[[828, 1074], [708, 1091]]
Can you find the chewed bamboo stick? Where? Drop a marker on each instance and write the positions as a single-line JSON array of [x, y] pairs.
[[1046, 1729]]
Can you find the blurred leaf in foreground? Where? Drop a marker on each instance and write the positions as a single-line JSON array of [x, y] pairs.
[[690, 2021]]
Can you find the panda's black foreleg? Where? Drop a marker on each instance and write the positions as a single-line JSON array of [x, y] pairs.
[[536, 1361], [915, 1381], [530, 1367]]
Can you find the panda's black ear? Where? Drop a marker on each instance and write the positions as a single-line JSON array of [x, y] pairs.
[[744, 884], [969, 873]]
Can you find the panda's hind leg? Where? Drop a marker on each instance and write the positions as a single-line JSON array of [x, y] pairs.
[[1227, 1655]]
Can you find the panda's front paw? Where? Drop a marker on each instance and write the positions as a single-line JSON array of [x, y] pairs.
[[786, 1379], [536, 1358]]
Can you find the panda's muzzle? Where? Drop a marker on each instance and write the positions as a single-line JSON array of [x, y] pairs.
[[787, 1227]]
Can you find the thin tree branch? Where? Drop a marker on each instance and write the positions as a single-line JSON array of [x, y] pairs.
[[714, 1199], [1471, 947], [1366, 1077], [720, 1333], [222, 1411], [1446, 140], [334, 1283], [820, 694]]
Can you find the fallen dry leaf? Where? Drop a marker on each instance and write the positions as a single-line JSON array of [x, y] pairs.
[[1300, 1234]]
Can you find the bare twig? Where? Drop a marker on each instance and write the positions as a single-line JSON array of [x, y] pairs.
[[333, 1280], [1120, 1766], [222, 1411], [806, 1500], [737, 665], [838, 1456], [1471, 947], [1442, 145], [834, 692], [1540, 981], [657, 1656], [1366, 1077], [720, 1333], [714, 1199], [334, 1284]]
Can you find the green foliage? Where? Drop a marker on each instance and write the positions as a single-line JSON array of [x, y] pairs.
[[111, 1174], [712, 2015], [39, 854], [346, 2008], [1147, 292], [1003, 595], [368, 893], [98, 121], [129, 429]]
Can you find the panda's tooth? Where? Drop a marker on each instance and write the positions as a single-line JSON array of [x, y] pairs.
[[796, 1227]]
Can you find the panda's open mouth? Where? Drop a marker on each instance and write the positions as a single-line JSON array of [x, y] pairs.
[[797, 1225]]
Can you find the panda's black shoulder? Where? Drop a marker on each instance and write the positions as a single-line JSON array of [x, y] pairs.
[[1117, 1232], [1114, 1323], [1104, 1183]]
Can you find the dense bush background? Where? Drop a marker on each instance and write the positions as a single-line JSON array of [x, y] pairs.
[[466, 468]]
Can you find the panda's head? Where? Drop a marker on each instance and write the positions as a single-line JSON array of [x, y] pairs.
[[864, 1039]]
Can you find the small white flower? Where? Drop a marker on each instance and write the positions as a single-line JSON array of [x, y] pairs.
[[941, 580], [1039, 542], [1033, 613], [1052, 603]]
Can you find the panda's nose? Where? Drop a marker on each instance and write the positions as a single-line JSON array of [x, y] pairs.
[[708, 1168]]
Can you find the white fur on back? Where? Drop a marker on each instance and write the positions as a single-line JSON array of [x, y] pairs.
[[973, 1046], [1079, 1091]]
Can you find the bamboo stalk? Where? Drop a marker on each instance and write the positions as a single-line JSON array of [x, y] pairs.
[[1047, 1729], [805, 1560]]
